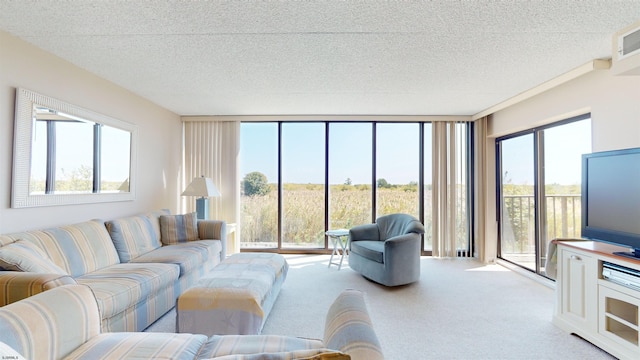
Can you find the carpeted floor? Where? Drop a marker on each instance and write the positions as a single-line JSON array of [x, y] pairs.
[[460, 309]]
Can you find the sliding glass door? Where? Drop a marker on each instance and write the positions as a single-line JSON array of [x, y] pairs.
[[539, 179], [517, 205]]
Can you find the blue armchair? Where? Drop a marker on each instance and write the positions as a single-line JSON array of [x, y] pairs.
[[388, 251]]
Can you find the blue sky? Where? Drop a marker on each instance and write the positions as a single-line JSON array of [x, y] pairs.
[[350, 152], [74, 148], [564, 145]]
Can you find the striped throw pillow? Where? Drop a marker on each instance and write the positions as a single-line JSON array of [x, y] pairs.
[[175, 229], [26, 256]]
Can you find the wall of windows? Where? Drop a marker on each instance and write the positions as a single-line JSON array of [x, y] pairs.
[[300, 179], [539, 176]]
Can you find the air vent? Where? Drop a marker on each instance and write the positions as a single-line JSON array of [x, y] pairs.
[[626, 51], [629, 44]]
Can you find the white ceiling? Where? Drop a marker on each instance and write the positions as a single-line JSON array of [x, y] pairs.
[[323, 57]]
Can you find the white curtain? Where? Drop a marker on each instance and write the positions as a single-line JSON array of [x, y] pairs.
[[486, 221], [211, 148], [480, 175], [449, 191]]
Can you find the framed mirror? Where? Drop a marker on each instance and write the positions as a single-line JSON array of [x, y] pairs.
[[64, 154]]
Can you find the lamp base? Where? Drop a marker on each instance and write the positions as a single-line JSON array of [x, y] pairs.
[[202, 208]]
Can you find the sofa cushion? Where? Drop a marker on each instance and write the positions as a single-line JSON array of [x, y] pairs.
[[188, 256], [177, 229], [136, 235], [121, 286], [77, 249], [26, 256], [313, 354], [372, 250], [139, 345], [224, 345]]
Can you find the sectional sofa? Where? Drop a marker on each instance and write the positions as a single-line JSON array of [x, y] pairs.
[[135, 266], [64, 323]]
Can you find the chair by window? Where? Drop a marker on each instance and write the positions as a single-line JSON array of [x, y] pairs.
[[387, 251]]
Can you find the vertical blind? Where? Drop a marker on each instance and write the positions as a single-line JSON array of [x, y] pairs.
[[449, 207], [211, 149]]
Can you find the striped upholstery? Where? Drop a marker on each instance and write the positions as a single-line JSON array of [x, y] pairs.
[[16, 286], [140, 346], [139, 316], [59, 321], [188, 256], [120, 286], [223, 345], [132, 294], [214, 230], [314, 354], [23, 255], [65, 323], [235, 298], [176, 229], [348, 327], [77, 249], [136, 235]]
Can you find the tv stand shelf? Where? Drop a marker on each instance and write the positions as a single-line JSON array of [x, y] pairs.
[[601, 311]]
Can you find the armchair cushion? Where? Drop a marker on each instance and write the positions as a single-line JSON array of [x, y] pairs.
[[372, 250]]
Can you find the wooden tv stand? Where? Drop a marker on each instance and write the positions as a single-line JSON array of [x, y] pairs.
[[592, 307]]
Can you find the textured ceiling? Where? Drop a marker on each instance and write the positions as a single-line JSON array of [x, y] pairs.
[[323, 57]]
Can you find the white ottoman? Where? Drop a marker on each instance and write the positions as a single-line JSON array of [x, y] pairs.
[[235, 298]]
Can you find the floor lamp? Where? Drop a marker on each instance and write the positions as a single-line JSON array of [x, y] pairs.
[[203, 188]]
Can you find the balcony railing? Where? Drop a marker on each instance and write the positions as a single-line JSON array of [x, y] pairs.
[[562, 220]]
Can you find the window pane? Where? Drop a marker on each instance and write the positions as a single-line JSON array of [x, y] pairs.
[[115, 163], [303, 167], [259, 198], [462, 208], [38, 158], [517, 230], [74, 157], [397, 166], [350, 163], [563, 149], [428, 187]]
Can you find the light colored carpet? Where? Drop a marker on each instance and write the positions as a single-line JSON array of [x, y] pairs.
[[460, 309]]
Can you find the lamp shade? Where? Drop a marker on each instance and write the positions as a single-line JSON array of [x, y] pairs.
[[201, 186]]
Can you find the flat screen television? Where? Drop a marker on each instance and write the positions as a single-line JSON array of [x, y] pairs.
[[611, 198]]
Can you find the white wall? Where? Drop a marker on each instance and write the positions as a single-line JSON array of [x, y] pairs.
[[614, 103], [159, 140]]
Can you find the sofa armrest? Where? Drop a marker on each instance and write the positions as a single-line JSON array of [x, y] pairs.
[[17, 285], [52, 324], [364, 232], [348, 327], [214, 230]]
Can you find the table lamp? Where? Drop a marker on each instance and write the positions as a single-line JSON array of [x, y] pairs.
[[204, 188]]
